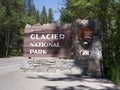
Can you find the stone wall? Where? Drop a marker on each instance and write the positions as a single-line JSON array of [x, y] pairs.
[[63, 66], [90, 65], [52, 65]]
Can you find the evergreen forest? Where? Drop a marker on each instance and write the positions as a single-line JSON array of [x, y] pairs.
[[15, 14]]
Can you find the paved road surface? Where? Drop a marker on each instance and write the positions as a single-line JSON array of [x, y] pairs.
[[12, 64], [18, 80], [33, 81]]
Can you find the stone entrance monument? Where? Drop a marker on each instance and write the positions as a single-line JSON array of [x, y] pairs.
[[87, 46], [43, 42]]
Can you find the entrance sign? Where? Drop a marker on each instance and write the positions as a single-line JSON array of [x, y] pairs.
[[49, 40], [86, 40]]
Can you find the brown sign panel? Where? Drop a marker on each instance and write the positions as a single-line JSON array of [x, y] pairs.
[[47, 41]]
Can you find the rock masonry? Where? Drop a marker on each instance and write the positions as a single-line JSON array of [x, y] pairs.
[[52, 65], [90, 66], [63, 66]]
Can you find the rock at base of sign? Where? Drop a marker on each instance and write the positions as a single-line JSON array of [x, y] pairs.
[[68, 65], [42, 69], [58, 71], [64, 66], [67, 71], [94, 68], [51, 70], [77, 70], [59, 63]]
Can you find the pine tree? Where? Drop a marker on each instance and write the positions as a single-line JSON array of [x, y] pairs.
[[37, 16], [30, 6], [14, 15], [11, 24], [50, 15], [43, 16], [30, 12]]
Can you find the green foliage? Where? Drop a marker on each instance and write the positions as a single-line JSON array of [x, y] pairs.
[[78, 9], [50, 15], [43, 16], [10, 22], [37, 16], [29, 20], [108, 14], [14, 15], [46, 18], [31, 15], [111, 56]]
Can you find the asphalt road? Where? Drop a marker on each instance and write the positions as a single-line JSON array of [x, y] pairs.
[[12, 64], [16, 79]]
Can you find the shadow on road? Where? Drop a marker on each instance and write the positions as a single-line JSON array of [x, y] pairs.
[[84, 83], [79, 87]]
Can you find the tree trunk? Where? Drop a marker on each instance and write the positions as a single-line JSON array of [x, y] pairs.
[[7, 42]]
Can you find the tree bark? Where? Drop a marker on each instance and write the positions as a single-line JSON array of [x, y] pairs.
[[7, 42]]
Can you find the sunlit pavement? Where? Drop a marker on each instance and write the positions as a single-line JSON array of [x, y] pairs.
[[16, 79], [12, 64], [19, 80]]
